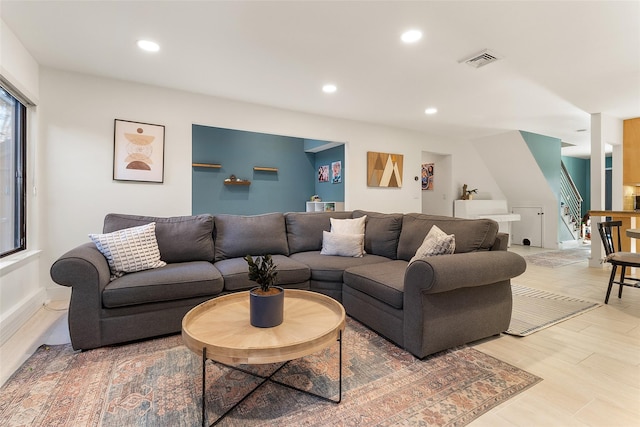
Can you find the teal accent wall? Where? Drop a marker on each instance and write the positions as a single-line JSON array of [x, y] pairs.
[[328, 191], [547, 152], [580, 172], [238, 152]]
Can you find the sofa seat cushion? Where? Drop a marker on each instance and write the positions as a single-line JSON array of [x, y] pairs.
[[329, 268], [180, 238], [237, 235], [171, 282], [383, 281], [235, 272]]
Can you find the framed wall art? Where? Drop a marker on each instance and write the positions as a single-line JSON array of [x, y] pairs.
[[427, 176], [138, 152], [323, 173], [336, 172], [384, 169]]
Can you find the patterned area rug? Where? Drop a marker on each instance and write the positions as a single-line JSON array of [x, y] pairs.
[[158, 383], [534, 310], [560, 258]]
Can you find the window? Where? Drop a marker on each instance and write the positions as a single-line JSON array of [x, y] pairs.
[[12, 174]]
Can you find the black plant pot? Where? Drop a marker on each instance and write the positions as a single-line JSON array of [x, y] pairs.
[[266, 310]]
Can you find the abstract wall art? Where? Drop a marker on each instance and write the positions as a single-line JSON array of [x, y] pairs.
[[384, 169], [138, 152]]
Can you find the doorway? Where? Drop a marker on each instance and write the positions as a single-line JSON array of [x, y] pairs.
[[437, 199], [529, 228]]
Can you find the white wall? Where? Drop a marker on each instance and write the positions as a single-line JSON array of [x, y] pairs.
[[17, 66], [21, 292], [76, 139], [521, 179]]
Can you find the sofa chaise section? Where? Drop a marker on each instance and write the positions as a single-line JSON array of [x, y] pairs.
[[442, 301]]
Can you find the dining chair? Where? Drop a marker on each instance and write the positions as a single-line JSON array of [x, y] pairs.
[[617, 258]]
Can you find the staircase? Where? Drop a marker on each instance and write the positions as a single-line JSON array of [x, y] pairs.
[[570, 204]]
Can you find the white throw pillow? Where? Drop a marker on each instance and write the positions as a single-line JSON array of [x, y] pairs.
[[351, 245], [437, 242], [348, 226], [130, 250]]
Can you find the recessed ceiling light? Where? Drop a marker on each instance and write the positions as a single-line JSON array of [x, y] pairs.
[[431, 110], [411, 36], [148, 45], [329, 88]]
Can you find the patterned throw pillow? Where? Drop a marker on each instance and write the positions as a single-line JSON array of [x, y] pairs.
[[130, 250], [348, 245], [437, 242]]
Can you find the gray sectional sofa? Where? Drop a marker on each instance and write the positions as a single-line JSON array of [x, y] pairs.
[[425, 306]]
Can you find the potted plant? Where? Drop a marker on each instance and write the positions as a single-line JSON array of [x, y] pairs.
[[266, 302]]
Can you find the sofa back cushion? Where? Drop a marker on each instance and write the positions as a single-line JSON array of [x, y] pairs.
[[180, 238], [470, 234], [382, 232], [304, 229], [237, 236]]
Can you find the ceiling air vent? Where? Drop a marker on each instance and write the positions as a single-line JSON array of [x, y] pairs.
[[481, 59]]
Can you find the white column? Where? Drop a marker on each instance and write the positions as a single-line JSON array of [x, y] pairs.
[[597, 186], [604, 130]]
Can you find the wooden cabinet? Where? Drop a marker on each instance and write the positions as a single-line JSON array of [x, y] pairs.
[[631, 152]]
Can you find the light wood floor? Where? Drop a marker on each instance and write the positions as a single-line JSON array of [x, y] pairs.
[[590, 364]]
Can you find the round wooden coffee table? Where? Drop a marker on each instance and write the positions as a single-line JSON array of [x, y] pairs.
[[220, 330]]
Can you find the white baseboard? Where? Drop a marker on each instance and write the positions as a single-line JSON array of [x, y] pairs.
[[23, 311]]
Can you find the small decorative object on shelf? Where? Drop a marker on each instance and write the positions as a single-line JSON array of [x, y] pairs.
[[232, 180], [266, 302], [316, 198], [468, 194], [264, 169]]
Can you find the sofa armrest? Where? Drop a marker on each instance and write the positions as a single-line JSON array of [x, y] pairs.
[[82, 267], [453, 299], [86, 271], [501, 243], [444, 273]]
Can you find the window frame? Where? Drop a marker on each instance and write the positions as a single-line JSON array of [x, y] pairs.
[[20, 178]]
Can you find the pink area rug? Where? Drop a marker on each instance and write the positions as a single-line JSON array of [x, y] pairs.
[[158, 383]]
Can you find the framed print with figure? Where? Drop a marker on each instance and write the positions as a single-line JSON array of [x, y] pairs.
[[336, 172], [427, 176], [138, 152]]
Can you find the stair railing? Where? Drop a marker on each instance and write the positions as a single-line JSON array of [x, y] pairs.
[[571, 197]]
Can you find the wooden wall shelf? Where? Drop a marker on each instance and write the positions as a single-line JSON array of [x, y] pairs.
[[264, 169], [206, 165], [237, 183]]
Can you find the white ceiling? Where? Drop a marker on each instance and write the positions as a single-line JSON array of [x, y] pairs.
[[563, 60]]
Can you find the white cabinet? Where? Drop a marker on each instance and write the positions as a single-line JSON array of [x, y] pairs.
[[324, 206], [529, 227]]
